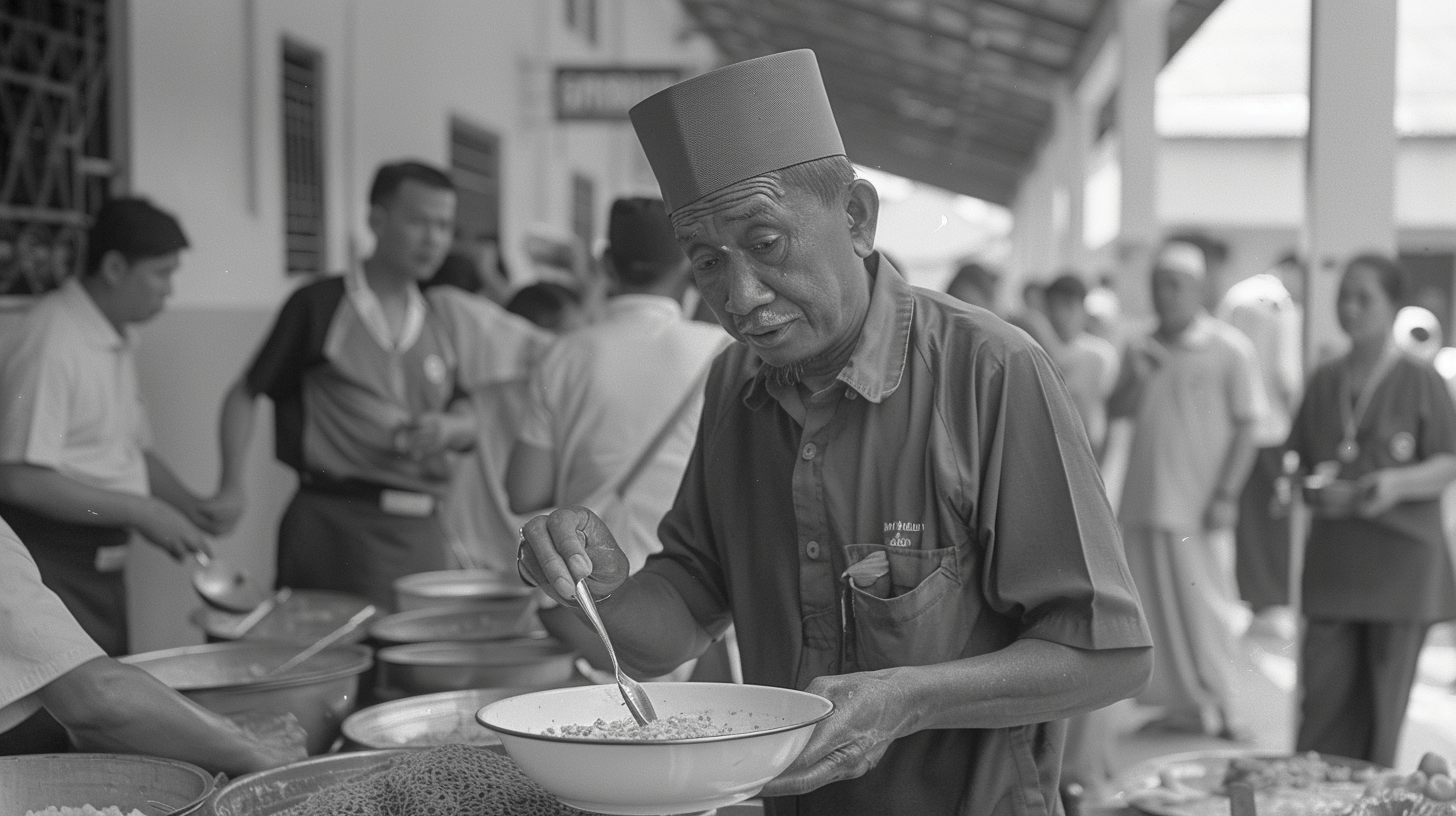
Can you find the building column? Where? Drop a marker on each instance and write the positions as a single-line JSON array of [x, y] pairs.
[[1142, 28], [1069, 180], [1350, 153]]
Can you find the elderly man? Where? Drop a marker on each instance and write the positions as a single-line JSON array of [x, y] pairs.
[[890, 496], [1191, 390], [77, 473]]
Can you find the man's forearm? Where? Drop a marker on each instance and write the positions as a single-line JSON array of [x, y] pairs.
[[54, 495], [1029, 681], [650, 626], [234, 432], [1237, 464], [109, 706], [165, 485], [1426, 480]]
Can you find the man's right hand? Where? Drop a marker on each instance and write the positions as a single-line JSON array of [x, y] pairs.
[[165, 526], [221, 513], [570, 544]]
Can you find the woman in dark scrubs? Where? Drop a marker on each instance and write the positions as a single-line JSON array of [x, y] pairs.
[[1376, 435]]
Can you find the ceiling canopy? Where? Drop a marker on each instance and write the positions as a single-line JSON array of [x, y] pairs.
[[954, 93]]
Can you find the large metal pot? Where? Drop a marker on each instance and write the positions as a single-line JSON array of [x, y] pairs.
[[423, 668], [481, 620], [230, 678], [274, 791], [454, 588], [306, 616], [425, 721], [39, 781]]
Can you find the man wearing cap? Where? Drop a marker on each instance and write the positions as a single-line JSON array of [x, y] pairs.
[[369, 379], [1191, 390], [77, 475], [891, 495]]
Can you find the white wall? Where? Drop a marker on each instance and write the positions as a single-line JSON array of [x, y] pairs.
[[205, 142]]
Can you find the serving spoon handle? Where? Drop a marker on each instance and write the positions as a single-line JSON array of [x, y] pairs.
[[632, 692]]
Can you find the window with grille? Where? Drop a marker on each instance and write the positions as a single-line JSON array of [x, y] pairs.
[[475, 167], [303, 159]]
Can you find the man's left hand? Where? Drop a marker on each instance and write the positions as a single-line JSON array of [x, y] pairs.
[[1377, 492], [434, 432], [869, 714]]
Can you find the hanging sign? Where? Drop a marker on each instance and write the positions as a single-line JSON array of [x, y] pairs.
[[605, 94]]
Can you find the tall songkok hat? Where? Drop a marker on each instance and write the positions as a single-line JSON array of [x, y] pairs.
[[737, 122]]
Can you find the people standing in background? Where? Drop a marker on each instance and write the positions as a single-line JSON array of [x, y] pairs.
[[77, 473], [369, 377], [1377, 431], [619, 399], [479, 525], [976, 284], [552, 306], [1089, 364], [1190, 388], [1266, 308]]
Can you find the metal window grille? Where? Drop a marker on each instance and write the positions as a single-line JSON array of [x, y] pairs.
[[55, 137], [303, 159], [475, 167]]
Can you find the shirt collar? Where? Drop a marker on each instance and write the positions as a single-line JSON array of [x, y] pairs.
[[877, 365], [622, 304], [371, 312], [95, 328]]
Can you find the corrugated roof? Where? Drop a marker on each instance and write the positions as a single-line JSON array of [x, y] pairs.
[[955, 93]]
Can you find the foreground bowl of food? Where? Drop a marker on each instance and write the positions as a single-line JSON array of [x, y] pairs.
[[233, 678], [714, 744], [479, 620], [148, 784], [279, 790], [305, 616], [446, 718], [425, 668], [454, 588]]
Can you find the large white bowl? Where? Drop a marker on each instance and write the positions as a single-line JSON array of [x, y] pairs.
[[659, 776]]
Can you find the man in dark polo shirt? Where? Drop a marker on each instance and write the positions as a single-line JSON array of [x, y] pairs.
[[891, 494], [368, 377]]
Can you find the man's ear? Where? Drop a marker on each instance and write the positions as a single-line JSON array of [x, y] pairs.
[[377, 216], [862, 209], [113, 268]]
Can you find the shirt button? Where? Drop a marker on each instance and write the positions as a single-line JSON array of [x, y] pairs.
[[812, 550], [810, 451]]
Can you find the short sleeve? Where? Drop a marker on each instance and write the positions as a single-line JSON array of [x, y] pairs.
[[1438, 416], [39, 639], [1053, 550], [493, 345], [277, 369], [1243, 386], [35, 378]]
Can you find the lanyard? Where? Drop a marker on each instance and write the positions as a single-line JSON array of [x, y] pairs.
[[1349, 450]]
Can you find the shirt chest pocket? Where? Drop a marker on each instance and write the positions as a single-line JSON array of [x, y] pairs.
[[903, 607]]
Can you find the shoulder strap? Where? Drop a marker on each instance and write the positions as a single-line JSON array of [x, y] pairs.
[[644, 458]]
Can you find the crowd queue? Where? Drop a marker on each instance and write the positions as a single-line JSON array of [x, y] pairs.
[[889, 496]]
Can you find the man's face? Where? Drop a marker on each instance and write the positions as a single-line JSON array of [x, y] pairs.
[[1177, 297], [413, 229], [141, 288], [781, 270]]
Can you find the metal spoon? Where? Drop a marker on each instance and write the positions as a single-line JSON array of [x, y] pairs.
[[325, 641], [224, 586], [632, 692]]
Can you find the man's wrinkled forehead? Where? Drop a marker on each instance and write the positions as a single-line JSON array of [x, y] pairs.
[[733, 204]]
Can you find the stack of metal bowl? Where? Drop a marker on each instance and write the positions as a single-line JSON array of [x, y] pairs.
[[234, 678], [478, 621], [425, 668], [460, 587], [426, 721], [305, 616], [147, 784], [275, 791]]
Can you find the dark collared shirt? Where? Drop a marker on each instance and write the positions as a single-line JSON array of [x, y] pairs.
[[950, 453]]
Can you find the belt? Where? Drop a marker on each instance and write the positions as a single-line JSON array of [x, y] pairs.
[[391, 500]]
